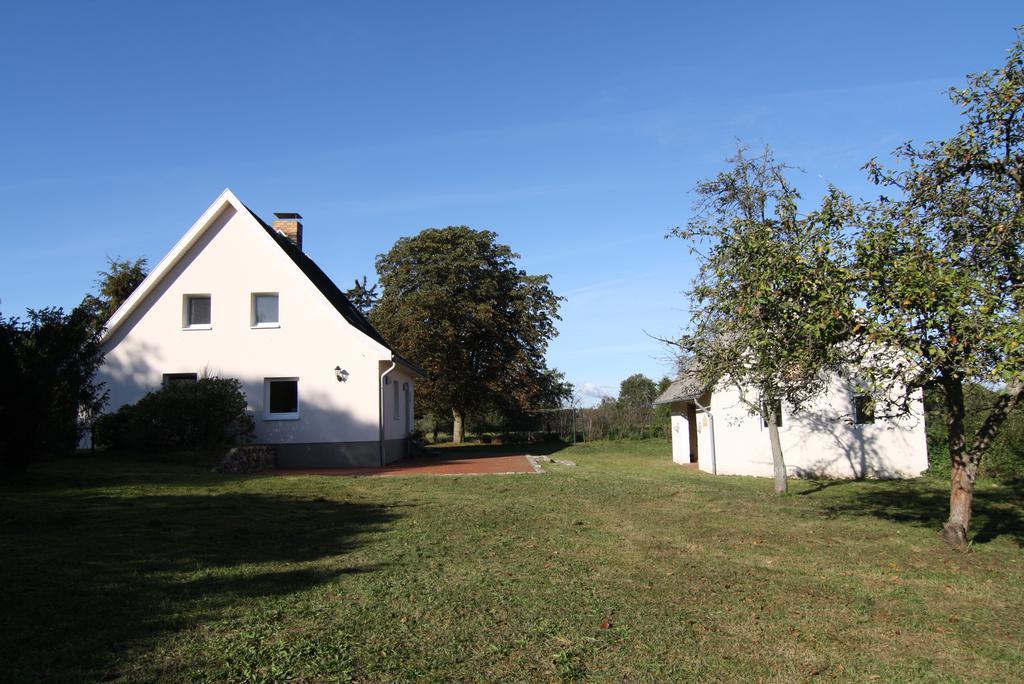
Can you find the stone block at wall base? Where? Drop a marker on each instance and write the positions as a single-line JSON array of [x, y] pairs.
[[248, 459]]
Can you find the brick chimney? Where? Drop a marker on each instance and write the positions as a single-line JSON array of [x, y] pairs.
[[290, 225]]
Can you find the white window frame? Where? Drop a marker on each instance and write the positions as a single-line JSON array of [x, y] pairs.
[[186, 323], [252, 311], [267, 415]]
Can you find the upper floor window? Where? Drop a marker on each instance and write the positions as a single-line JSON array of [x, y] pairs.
[[863, 409], [197, 311], [265, 310]]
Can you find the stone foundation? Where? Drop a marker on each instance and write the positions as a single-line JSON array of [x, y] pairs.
[[248, 459]]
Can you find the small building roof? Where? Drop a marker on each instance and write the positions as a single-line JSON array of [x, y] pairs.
[[688, 386]]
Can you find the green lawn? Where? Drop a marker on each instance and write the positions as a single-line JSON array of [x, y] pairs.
[[623, 568]]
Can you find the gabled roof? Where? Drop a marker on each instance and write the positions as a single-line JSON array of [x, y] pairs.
[[326, 286], [314, 273]]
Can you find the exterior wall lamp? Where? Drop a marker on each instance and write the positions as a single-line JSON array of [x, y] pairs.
[[341, 374]]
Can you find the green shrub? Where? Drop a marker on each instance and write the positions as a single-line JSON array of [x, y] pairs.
[[1004, 459], [180, 415], [47, 371]]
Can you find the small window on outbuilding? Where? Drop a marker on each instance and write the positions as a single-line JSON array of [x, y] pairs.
[[863, 409], [281, 398], [172, 378], [778, 414], [395, 385], [198, 311]]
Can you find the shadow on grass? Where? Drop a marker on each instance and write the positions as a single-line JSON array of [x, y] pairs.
[[997, 512], [88, 576]]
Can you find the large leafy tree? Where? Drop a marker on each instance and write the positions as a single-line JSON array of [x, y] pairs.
[[771, 300], [636, 401], [455, 301], [114, 286], [941, 261], [51, 359]]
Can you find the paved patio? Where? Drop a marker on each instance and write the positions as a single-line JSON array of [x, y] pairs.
[[464, 464]]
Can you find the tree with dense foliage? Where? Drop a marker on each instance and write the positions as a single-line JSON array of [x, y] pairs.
[[663, 412], [771, 300], [941, 264], [364, 297], [636, 401], [114, 286], [1004, 459], [47, 367], [455, 301]]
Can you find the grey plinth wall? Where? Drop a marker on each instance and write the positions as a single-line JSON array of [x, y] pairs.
[[338, 454]]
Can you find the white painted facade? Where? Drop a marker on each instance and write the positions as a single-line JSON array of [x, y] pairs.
[[822, 440], [229, 256]]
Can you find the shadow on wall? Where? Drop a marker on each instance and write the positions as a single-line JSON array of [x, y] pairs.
[[140, 371], [859, 451], [319, 420], [997, 512], [129, 378], [95, 575]]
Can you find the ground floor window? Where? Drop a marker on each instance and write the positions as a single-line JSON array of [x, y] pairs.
[[863, 409], [171, 378], [778, 414], [281, 398]]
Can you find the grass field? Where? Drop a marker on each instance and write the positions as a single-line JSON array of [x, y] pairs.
[[623, 568]]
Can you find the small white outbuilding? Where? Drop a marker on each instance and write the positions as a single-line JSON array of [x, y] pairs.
[[837, 436]]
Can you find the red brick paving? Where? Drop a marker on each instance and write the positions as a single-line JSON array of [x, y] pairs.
[[427, 465]]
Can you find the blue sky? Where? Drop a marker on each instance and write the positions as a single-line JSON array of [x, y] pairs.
[[575, 130]]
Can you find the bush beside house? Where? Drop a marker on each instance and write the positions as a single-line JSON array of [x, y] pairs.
[[181, 415]]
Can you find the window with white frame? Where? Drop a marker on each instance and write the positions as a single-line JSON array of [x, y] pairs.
[[281, 398], [198, 312], [265, 310]]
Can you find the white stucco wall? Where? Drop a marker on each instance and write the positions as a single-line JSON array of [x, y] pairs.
[[232, 260], [398, 425], [680, 439], [821, 440]]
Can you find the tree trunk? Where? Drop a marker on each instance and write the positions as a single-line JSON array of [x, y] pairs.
[[961, 495], [458, 430], [781, 484], [965, 462]]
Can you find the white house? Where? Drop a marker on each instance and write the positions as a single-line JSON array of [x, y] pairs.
[[238, 298], [837, 436]]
